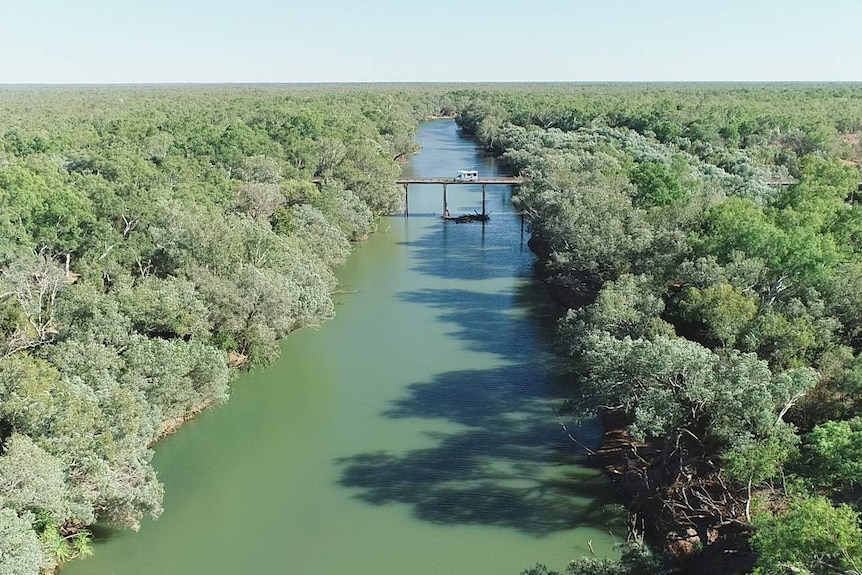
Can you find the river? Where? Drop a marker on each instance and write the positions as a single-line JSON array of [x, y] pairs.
[[412, 434]]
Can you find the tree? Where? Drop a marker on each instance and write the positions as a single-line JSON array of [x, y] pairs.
[[696, 406], [627, 307], [833, 453], [28, 300], [27, 404], [722, 310], [260, 200], [317, 234], [168, 307], [178, 377], [346, 210], [51, 214], [636, 559], [811, 537], [260, 169], [20, 550], [825, 185], [656, 185], [593, 231], [33, 480]]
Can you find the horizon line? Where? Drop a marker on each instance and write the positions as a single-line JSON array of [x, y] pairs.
[[415, 82]]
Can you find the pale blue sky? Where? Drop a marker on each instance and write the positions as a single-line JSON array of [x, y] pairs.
[[137, 41]]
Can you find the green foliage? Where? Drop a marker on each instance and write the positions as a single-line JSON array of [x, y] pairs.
[[811, 537], [167, 307], [33, 480], [627, 307], [27, 404], [20, 550], [260, 200], [674, 386], [29, 287], [833, 453], [318, 234], [761, 461], [59, 547], [825, 185], [656, 185], [784, 340], [845, 299], [224, 341], [636, 559], [594, 231], [176, 376], [141, 244], [42, 210], [740, 225], [346, 210], [723, 310], [659, 204]]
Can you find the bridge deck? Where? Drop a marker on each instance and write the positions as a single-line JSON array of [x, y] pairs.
[[511, 180]]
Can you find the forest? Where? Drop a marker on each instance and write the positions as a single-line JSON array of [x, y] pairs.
[[155, 242], [707, 242]]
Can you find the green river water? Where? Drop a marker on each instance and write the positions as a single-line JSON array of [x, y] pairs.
[[414, 434]]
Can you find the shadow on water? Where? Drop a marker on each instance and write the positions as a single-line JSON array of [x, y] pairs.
[[102, 532], [484, 477], [502, 460], [508, 463], [483, 326]]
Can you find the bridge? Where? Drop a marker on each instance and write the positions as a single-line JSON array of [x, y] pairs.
[[445, 182], [507, 180]]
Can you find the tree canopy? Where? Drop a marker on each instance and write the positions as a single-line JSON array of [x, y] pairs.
[[711, 233]]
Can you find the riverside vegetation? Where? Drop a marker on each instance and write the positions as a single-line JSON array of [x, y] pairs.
[[716, 313], [150, 240], [153, 240]]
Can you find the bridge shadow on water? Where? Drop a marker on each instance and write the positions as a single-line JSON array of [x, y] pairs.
[[505, 462]]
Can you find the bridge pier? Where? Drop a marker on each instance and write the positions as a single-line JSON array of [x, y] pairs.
[[406, 202], [445, 203], [483, 202]]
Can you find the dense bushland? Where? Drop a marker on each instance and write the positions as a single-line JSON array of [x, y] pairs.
[[150, 240], [720, 305], [153, 240]]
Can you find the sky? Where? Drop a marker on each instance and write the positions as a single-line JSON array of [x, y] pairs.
[[185, 41]]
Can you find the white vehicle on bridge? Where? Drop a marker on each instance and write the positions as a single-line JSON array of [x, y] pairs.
[[467, 175]]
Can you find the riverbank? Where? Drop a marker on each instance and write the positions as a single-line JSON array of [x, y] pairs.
[[197, 242], [634, 466], [705, 303]]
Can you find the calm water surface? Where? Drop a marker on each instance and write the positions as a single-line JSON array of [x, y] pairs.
[[412, 434]]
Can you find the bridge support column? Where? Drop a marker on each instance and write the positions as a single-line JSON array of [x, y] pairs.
[[445, 203], [406, 202], [483, 201]]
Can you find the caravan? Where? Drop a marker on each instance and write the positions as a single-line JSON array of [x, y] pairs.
[[467, 176]]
